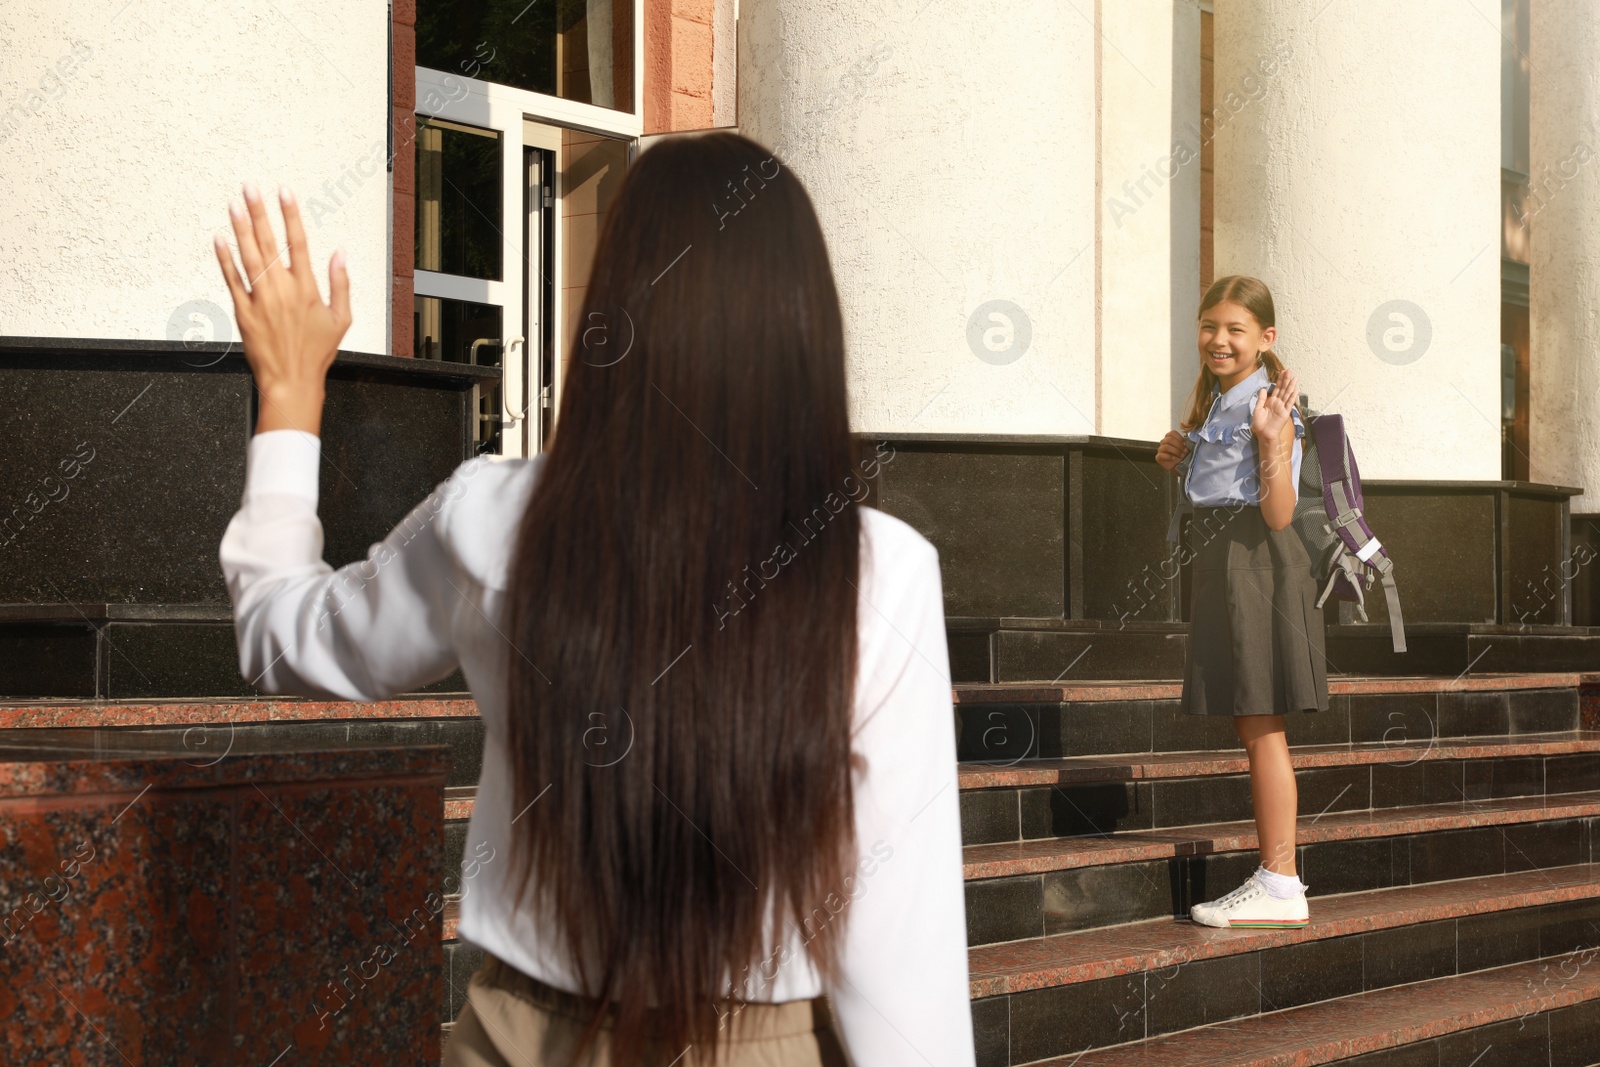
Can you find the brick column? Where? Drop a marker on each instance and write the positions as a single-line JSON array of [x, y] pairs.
[[403, 124], [678, 60]]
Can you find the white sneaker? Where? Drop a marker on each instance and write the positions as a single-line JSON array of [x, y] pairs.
[[1252, 905]]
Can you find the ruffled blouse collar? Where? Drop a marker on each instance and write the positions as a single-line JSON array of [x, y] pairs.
[[1218, 429], [1246, 389]]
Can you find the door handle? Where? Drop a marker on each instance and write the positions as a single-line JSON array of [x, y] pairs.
[[511, 417]]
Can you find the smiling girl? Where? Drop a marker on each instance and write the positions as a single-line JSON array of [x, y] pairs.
[[1255, 648]]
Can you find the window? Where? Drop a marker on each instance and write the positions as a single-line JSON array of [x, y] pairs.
[[579, 50], [458, 199], [459, 313], [527, 118]]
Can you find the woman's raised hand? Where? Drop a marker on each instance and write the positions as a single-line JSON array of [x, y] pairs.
[[1171, 450], [1271, 418], [290, 336]]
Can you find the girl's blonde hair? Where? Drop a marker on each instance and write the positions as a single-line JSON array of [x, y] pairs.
[[1253, 295]]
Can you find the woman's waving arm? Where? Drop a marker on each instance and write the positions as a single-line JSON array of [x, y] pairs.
[[368, 630]]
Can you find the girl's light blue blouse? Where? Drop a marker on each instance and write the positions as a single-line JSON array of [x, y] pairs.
[[1225, 467]]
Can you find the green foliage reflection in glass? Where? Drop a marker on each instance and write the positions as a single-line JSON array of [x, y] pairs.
[[578, 50]]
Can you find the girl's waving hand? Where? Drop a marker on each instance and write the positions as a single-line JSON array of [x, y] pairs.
[[1271, 417]]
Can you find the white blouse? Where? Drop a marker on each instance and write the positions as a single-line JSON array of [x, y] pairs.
[[431, 597]]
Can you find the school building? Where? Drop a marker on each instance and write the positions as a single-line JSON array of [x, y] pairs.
[[1023, 205]]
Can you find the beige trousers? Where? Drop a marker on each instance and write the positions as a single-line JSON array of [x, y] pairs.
[[513, 1020]]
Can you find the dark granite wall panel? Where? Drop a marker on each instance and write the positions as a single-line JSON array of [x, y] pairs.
[[48, 660], [125, 462], [152, 660], [1045, 656], [998, 519], [1538, 577], [1585, 552], [387, 446], [1443, 545], [1126, 506], [156, 458], [1046, 528]]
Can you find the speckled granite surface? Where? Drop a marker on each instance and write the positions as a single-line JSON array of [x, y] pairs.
[[1370, 1022], [65, 713], [163, 906]]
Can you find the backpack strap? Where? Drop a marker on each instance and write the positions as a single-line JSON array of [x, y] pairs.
[[1397, 627], [1344, 503], [1184, 507]]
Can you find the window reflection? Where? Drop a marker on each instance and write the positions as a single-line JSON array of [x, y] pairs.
[[452, 330], [461, 332], [458, 199], [591, 173], [578, 50]]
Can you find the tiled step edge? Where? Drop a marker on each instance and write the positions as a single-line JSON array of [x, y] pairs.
[[1074, 770], [1083, 956], [1076, 692], [458, 802], [1063, 853], [221, 712], [32, 713], [1351, 1026], [1079, 770]]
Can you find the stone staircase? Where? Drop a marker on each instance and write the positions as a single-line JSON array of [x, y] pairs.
[[1450, 833]]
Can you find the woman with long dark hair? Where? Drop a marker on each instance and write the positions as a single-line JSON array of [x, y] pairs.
[[719, 766]]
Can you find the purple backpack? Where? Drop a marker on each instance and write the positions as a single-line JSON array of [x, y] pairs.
[[1345, 556]]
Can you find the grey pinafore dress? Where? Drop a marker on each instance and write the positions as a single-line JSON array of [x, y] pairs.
[[1256, 642]]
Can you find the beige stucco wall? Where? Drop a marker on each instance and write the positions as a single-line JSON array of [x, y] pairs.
[[1564, 267], [950, 154], [126, 129], [1149, 243], [1364, 171]]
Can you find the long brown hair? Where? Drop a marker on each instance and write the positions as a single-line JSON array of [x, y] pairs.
[[1254, 296], [686, 621]]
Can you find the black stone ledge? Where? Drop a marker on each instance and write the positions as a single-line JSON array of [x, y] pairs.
[[217, 356], [969, 624], [1018, 440], [990, 441], [99, 613], [1440, 485]]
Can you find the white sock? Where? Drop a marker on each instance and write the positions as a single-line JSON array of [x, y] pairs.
[[1280, 886]]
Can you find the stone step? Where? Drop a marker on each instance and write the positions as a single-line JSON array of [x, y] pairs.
[[1154, 978], [1162, 876], [1201, 789], [1274, 974], [1008, 722], [1039, 650], [1496, 919], [1037, 799], [1524, 1015], [1401, 848], [1078, 770], [1055, 854]]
